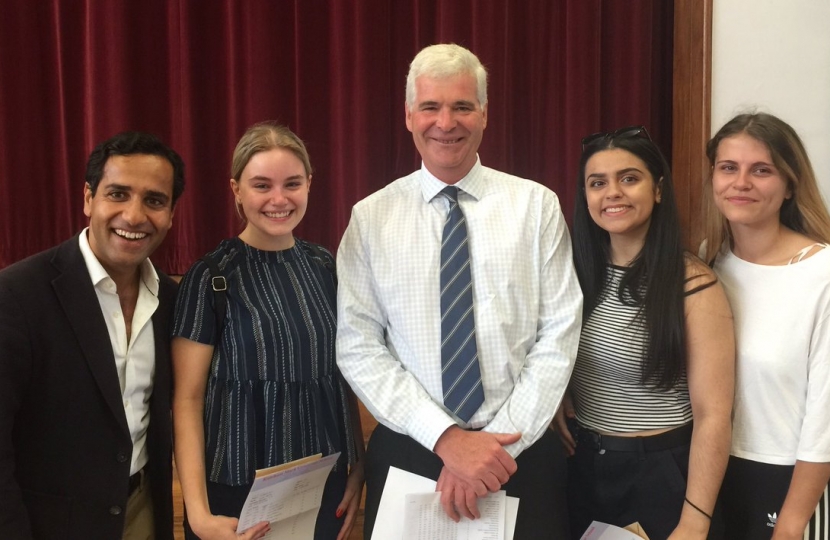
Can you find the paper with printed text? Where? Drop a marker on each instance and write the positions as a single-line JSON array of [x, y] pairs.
[[288, 497], [390, 521]]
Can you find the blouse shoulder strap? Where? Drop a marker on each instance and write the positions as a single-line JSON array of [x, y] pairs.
[[220, 286], [798, 257]]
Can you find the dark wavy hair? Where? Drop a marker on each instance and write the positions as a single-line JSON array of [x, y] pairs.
[[655, 280], [130, 143]]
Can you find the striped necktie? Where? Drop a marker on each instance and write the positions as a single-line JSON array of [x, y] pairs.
[[460, 371]]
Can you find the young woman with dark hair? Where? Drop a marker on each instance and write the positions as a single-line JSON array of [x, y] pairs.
[[653, 382]]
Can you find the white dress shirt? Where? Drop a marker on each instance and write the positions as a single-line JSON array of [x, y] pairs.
[[135, 361], [528, 304]]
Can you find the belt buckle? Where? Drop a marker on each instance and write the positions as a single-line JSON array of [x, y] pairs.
[[596, 440]]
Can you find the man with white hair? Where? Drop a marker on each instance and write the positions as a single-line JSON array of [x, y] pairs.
[[459, 312]]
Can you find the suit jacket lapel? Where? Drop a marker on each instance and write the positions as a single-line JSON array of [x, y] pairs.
[[75, 292]]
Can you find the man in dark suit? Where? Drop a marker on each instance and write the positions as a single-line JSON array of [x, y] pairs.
[[85, 435]]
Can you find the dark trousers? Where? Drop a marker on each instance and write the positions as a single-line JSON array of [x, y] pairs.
[[539, 482], [623, 487], [752, 496], [228, 501]]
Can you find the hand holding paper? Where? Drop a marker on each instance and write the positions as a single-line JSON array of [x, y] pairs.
[[424, 519], [457, 498], [224, 528], [399, 484], [288, 497], [475, 463]]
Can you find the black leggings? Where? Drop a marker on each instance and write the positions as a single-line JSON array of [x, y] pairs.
[[752, 496]]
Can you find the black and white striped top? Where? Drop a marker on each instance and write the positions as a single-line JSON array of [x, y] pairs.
[[606, 383]]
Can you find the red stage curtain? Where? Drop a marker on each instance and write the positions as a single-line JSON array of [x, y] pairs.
[[198, 73]]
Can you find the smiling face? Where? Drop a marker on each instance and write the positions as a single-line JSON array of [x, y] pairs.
[[621, 194], [447, 123], [748, 188], [273, 193], [130, 212]]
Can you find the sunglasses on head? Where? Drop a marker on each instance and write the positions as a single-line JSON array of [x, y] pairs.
[[624, 133]]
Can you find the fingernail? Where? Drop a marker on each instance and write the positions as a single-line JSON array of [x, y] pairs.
[[339, 512]]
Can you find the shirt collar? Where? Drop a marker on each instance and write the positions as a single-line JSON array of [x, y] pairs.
[[97, 273], [472, 184]]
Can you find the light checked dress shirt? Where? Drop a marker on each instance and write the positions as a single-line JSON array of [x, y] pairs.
[[528, 304]]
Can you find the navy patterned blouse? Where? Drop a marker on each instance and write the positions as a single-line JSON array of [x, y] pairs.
[[274, 393]]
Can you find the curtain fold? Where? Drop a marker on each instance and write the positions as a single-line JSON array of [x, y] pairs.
[[198, 73]]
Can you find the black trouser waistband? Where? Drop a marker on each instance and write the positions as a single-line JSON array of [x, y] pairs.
[[653, 443]]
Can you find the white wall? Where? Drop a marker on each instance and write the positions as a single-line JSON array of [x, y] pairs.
[[774, 56]]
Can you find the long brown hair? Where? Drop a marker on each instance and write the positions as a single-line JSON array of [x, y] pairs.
[[804, 212]]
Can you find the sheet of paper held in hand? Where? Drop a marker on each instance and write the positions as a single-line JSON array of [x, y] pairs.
[[425, 519], [394, 503], [604, 531], [288, 496]]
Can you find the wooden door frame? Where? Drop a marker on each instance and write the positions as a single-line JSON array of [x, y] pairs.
[[691, 111]]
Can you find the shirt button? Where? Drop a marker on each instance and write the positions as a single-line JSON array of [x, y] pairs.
[[121, 457], [115, 510]]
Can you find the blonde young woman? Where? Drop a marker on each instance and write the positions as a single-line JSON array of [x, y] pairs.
[[263, 389], [768, 233]]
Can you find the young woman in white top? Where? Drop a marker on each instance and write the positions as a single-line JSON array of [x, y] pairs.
[[653, 382], [767, 237]]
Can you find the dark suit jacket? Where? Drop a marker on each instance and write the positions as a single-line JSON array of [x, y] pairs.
[[64, 444]]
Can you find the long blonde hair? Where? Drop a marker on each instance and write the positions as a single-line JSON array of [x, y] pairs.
[[804, 212]]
